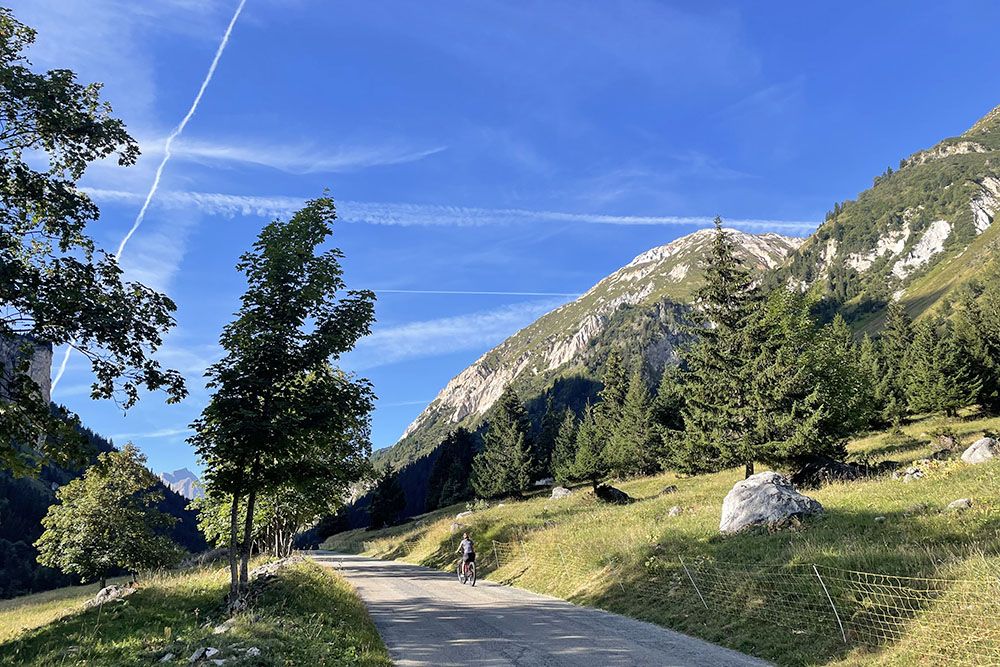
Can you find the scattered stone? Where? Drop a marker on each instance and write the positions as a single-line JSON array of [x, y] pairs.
[[764, 499], [667, 490], [560, 492], [610, 494], [960, 505], [461, 515], [458, 527], [880, 519], [981, 451], [914, 472], [269, 570], [224, 627], [547, 481], [253, 652], [674, 511], [204, 653], [167, 658], [109, 594]]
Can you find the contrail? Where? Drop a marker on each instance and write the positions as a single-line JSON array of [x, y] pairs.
[[166, 158], [470, 292]]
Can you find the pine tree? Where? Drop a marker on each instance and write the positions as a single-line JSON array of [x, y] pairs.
[[589, 464], [448, 481], [871, 369], [839, 367], [608, 412], [940, 377], [894, 344], [564, 450], [977, 332], [504, 465], [631, 449], [546, 440], [667, 415], [717, 372], [388, 500]]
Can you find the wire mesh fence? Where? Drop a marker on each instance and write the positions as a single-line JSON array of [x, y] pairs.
[[938, 621]]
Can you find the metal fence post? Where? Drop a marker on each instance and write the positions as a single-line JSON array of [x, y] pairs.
[[691, 579], [495, 554], [832, 606]]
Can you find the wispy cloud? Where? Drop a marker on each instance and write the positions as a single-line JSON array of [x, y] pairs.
[[159, 433], [431, 338], [471, 292], [408, 215], [297, 159]]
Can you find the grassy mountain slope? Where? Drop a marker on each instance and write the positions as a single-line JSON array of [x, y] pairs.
[[916, 235], [626, 558], [637, 307]]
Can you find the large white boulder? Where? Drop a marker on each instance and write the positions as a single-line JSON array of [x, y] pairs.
[[764, 499], [981, 451], [560, 492]]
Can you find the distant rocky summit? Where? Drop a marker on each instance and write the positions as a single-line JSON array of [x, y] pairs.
[[183, 482]]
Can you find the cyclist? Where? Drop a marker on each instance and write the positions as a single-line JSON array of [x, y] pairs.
[[468, 551]]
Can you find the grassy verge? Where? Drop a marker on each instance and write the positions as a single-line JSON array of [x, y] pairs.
[[307, 616], [881, 526], [28, 612]]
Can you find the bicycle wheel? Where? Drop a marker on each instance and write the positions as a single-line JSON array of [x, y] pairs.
[[472, 573], [461, 574]]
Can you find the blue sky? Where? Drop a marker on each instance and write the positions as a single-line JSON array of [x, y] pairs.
[[528, 148]]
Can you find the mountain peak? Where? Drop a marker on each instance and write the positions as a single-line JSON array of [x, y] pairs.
[[183, 482], [985, 125]]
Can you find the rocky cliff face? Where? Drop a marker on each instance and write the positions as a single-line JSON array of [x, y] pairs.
[[13, 351], [642, 296]]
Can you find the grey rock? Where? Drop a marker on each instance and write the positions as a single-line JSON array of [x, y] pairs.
[[224, 627], [674, 511], [458, 527], [880, 519], [547, 481], [464, 514], [960, 505], [981, 451], [167, 658], [560, 492], [109, 594], [766, 498], [253, 652], [667, 490]]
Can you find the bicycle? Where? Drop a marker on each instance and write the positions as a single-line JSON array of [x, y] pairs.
[[467, 575]]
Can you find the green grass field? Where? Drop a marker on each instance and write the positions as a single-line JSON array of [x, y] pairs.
[[763, 597], [309, 616]]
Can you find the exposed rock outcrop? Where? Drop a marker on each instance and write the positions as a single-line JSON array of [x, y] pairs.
[[610, 494]]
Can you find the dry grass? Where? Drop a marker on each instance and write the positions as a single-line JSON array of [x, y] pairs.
[[881, 525]]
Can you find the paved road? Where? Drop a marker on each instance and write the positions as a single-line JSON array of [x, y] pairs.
[[427, 617]]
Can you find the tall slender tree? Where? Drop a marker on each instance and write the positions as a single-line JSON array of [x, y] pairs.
[[894, 344], [504, 465], [717, 371], [590, 464], [279, 413], [449, 478], [632, 448], [564, 450]]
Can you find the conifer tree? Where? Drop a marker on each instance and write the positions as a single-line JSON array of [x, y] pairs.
[[504, 465], [977, 332], [939, 375], [871, 368], [667, 415], [388, 500], [631, 449], [608, 412], [894, 343], [845, 383], [564, 450], [546, 440], [590, 464], [717, 371], [448, 481]]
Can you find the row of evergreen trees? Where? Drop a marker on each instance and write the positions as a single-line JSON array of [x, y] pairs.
[[761, 382]]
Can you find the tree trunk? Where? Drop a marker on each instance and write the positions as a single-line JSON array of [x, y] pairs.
[[247, 541], [749, 470], [234, 571]]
